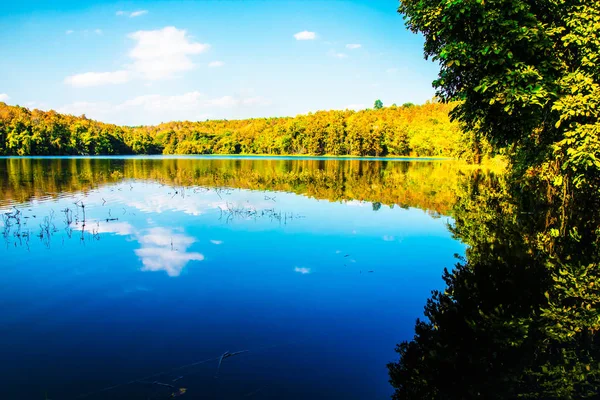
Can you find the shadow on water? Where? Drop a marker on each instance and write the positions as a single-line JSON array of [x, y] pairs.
[[519, 317]]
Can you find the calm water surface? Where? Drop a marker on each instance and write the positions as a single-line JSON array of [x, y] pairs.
[[123, 276]]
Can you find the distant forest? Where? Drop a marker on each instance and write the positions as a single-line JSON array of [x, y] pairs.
[[407, 130]]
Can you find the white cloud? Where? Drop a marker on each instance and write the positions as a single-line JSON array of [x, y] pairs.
[[36, 104], [392, 70], [337, 55], [159, 203], [4, 97], [190, 100], [164, 250], [165, 259], [225, 101], [132, 14], [99, 110], [157, 54], [216, 242], [353, 46], [88, 79], [165, 237], [161, 53], [155, 102], [161, 249], [305, 35], [156, 108], [138, 13], [215, 64], [302, 270], [85, 32], [255, 101], [117, 228], [230, 101], [388, 238]]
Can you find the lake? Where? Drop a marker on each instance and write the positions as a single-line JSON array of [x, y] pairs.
[[216, 278]]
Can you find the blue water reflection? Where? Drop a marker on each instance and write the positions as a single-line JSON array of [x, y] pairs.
[[133, 278]]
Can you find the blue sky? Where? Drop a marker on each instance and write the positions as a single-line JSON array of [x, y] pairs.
[[147, 62]]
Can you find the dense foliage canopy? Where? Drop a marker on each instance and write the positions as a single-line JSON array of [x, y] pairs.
[[526, 73], [408, 130]]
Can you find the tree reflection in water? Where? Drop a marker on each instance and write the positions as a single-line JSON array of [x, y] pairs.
[[519, 316]]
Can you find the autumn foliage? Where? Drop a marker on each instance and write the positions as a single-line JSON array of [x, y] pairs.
[[408, 130]]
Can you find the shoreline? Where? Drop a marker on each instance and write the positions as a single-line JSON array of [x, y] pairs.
[[237, 156]]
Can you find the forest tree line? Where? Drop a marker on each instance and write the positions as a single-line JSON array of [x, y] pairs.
[[409, 130]]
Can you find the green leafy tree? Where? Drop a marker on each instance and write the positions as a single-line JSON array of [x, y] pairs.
[[526, 74], [378, 105]]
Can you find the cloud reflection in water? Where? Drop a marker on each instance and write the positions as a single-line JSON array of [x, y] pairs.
[[164, 250]]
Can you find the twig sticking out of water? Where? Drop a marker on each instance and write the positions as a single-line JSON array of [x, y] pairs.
[[106, 389], [8, 220], [237, 211], [68, 216], [225, 355], [17, 215], [82, 206], [184, 367], [96, 232], [220, 362], [220, 190], [47, 228]]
